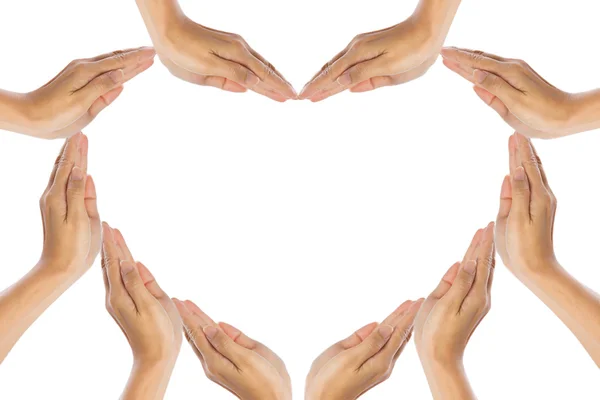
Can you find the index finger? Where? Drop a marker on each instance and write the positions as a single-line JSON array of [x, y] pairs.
[[475, 59]]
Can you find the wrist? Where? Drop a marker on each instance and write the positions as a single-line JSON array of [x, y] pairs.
[[15, 111], [161, 16], [436, 17], [583, 110]]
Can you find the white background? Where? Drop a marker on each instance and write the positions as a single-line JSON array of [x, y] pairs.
[[299, 222]]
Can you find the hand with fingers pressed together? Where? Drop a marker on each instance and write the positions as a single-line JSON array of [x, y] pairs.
[[243, 366], [71, 243], [525, 239], [388, 57], [451, 314], [208, 57], [526, 101], [355, 365], [71, 100], [146, 315]]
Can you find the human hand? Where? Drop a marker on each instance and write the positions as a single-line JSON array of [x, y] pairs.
[[207, 57], [350, 368], [525, 223], [526, 101], [70, 213], [455, 308], [246, 368], [143, 311], [372, 60], [71, 100]]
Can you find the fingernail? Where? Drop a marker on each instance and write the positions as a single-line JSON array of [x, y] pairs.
[[116, 76], [479, 75], [470, 267], [386, 331], [252, 80], [210, 331], [344, 80], [147, 53], [76, 174], [126, 267], [519, 174]]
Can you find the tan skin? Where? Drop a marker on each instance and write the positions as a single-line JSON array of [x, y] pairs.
[[388, 57], [450, 316], [208, 57], [243, 366], [75, 97], [525, 238], [522, 97], [145, 314], [355, 365], [71, 225]]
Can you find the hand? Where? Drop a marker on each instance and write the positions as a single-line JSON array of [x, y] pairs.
[[362, 361], [525, 223], [372, 60], [70, 213], [525, 100], [208, 57], [455, 308], [143, 311], [70, 101], [243, 366]]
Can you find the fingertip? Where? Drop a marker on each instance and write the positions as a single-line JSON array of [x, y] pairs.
[[90, 188], [450, 275]]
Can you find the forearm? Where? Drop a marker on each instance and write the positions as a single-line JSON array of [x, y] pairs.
[[159, 16], [448, 381], [148, 381], [22, 303], [13, 112], [585, 111], [438, 16], [577, 306]]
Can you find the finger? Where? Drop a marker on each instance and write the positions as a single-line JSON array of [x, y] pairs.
[[529, 161], [512, 153], [402, 332], [462, 285], [460, 69], [201, 314], [121, 60], [509, 95], [327, 79], [541, 168], [357, 337], [470, 253], [69, 159], [475, 59], [117, 53], [371, 345], [150, 282], [243, 340], [325, 69], [446, 282], [361, 72], [268, 76], [521, 194], [497, 105], [77, 182], [124, 251], [397, 313], [56, 164], [245, 77], [134, 285], [110, 262], [225, 346], [193, 326], [505, 201], [485, 263], [373, 83], [218, 82]]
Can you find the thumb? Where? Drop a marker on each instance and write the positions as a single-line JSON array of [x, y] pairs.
[[360, 72], [372, 344], [462, 284], [224, 345], [76, 191], [498, 87], [521, 193], [134, 284]]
